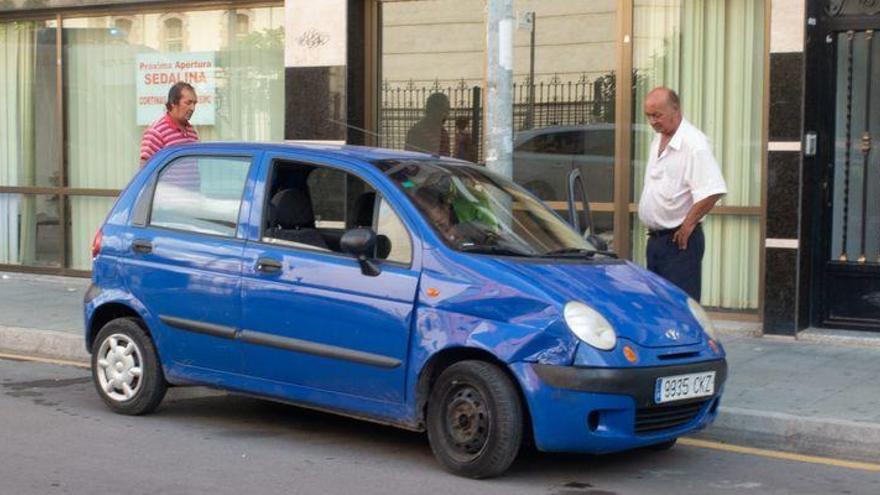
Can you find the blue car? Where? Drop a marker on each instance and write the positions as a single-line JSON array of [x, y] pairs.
[[397, 287]]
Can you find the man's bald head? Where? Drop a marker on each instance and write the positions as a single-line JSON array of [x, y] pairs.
[[663, 110]]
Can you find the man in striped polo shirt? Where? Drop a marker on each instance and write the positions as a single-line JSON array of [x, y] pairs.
[[174, 126]]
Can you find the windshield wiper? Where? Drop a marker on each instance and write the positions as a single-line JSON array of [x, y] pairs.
[[577, 252], [486, 249]]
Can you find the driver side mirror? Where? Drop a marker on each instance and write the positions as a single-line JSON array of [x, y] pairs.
[[361, 243]]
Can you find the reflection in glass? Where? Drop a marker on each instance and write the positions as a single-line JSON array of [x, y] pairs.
[[711, 52], [86, 215], [30, 230], [432, 77], [234, 58], [564, 91], [115, 83]]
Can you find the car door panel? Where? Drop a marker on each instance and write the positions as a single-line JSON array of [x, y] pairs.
[[191, 279], [319, 322]]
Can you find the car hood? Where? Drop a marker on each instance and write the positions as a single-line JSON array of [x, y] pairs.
[[643, 307]]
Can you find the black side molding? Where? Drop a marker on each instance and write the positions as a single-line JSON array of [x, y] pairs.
[[323, 350], [199, 327]]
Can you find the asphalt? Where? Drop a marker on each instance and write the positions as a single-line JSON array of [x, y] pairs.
[[818, 394]]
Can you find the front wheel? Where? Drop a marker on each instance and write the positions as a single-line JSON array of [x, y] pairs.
[[475, 420], [125, 368]]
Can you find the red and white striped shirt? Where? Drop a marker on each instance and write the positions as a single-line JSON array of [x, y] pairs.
[[165, 132]]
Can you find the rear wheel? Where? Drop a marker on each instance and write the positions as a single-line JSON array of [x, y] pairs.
[[125, 368], [475, 420]]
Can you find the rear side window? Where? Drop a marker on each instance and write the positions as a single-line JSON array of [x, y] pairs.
[[200, 194]]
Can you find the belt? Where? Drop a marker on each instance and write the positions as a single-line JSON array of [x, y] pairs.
[[665, 232], [661, 232]]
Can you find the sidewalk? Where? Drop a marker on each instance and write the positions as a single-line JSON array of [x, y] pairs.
[[817, 395]]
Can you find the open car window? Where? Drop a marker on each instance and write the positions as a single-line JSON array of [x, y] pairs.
[[311, 207]]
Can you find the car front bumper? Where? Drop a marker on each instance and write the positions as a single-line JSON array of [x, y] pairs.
[[600, 410]]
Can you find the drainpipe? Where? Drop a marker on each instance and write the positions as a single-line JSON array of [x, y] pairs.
[[499, 85]]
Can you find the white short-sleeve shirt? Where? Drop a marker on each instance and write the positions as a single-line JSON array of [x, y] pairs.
[[686, 173]]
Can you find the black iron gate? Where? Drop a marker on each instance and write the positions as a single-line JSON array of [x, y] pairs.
[[849, 294]]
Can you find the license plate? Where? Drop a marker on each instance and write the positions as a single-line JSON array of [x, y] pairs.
[[681, 387]]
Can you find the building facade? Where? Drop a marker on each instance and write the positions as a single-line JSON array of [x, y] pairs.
[[541, 87]]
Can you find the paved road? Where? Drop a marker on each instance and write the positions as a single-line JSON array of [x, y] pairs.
[[58, 437]]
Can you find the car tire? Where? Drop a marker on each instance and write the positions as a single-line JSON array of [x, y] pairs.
[[659, 447], [475, 420], [126, 369]]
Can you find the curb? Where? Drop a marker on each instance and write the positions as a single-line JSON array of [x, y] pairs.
[[43, 343], [826, 437]]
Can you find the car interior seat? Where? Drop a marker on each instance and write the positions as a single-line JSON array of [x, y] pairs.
[[292, 218]]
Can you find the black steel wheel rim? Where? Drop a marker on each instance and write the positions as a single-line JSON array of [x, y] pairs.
[[466, 422]]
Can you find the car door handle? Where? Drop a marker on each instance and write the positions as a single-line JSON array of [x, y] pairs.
[[142, 246], [268, 265]]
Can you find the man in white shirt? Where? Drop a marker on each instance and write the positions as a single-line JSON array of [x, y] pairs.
[[682, 183]]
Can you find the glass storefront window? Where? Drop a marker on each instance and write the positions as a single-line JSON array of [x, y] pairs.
[[432, 70], [563, 108], [86, 215], [712, 53], [29, 129], [30, 230], [118, 71]]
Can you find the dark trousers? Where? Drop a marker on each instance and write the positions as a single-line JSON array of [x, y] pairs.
[[681, 267]]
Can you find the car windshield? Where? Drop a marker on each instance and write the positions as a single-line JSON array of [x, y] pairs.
[[475, 210]]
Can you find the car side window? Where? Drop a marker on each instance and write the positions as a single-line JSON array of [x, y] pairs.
[[312, 206], [200, 194], [390, 226]]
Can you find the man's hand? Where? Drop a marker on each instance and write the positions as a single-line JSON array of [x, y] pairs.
[[698, 211], [682, 235]]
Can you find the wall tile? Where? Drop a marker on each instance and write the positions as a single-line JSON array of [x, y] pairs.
[[783, 184], [780, 291], [786, 96]]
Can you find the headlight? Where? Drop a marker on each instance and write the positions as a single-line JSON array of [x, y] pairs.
[[702, 318], [588, 325]]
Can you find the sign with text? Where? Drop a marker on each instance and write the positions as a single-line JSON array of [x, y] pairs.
[[157, 72]]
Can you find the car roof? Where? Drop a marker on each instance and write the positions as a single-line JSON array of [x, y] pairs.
[[555, 129], [328, 150]]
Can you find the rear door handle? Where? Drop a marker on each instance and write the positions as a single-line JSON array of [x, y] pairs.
[[142, 246], [268, 265]]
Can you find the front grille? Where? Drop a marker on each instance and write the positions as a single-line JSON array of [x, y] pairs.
[[678, 355], [653, 419]]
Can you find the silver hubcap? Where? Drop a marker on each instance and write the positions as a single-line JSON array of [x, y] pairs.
[[119, 367]]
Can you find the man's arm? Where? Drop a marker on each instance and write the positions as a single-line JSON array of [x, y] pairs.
[[150, 144], [697, 212]]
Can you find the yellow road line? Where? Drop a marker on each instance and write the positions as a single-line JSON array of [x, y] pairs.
[[18, 357], [775, 454]]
